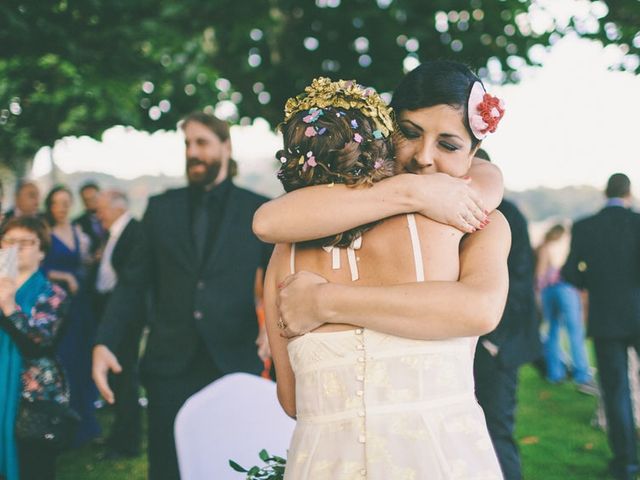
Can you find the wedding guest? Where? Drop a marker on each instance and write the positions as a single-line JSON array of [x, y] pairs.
[[197, 254], [26, 201], [65, 263], [88, 221], [513, 343], [31, 313], [599, 419], [562, 308], [112, 209], [605, 260]]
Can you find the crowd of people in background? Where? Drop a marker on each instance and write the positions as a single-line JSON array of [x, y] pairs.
[[105, 265], [74, 263], [98, 279]]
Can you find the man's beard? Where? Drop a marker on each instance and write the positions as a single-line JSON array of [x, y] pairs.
[[206, 177]]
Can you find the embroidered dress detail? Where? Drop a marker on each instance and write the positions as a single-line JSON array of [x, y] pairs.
[[380, 407]]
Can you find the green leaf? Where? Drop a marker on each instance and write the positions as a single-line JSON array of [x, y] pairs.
[[264, 456], [253, 471], [237, 467]]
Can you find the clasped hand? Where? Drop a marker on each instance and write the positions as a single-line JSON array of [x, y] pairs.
[[300, 304], [450, 201]]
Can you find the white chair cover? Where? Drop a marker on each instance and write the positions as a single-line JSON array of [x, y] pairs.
[[231, 419]]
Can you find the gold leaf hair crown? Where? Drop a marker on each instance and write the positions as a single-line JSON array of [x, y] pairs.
[[345, 94]]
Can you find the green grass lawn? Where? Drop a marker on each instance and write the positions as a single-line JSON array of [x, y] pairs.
[[86, 463], [554, 432], [556, 439]]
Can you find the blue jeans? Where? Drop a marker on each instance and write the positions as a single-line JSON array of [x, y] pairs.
[[562, 308]]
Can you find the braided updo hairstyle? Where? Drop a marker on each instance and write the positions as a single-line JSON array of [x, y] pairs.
[[337, 146]]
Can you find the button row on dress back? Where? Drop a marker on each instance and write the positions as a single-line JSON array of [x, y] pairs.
[[361, 377]]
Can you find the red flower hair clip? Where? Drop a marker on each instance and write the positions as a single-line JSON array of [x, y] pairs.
[[485, 111]]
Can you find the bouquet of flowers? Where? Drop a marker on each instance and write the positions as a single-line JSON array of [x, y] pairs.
[[273, 470]]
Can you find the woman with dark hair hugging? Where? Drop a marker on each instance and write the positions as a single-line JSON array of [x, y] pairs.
[[381, 379]]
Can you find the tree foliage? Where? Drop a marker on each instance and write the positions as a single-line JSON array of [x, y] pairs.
[[618, 23], [77, 67]]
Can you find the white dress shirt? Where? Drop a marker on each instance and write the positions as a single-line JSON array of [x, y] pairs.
[[107, 277]]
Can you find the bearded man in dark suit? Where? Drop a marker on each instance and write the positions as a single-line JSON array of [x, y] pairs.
[[605, 260], [198, 256]]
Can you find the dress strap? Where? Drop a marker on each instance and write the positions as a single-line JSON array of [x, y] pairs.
[[415, 245], [351, 257], [292, 260]]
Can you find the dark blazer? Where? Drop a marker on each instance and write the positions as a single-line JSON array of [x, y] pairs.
[[210, 302], [120, 257], [84, 221], [517, 336], [605, 260]]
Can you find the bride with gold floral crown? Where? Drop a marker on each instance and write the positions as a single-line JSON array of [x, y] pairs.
[[385, 402]]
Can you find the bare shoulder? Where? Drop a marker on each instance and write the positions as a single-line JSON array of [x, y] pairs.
[[390, 225], [499, 222], [423, 223], [495, 236], [396, 229]]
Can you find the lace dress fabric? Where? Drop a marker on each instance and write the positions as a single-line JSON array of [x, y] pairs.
[[377, 406]]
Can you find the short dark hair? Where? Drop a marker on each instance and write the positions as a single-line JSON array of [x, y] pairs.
[[438, 82], [35, 225], [618, 186], [213, 123], [23, 183], [482, 153], [87, 185]]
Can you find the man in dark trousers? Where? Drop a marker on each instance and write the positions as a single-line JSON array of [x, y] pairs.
[[605, 260], [112, 209], [197, 254], [514, 342]]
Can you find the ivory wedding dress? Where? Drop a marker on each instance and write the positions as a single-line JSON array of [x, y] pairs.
[[377, 406]]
